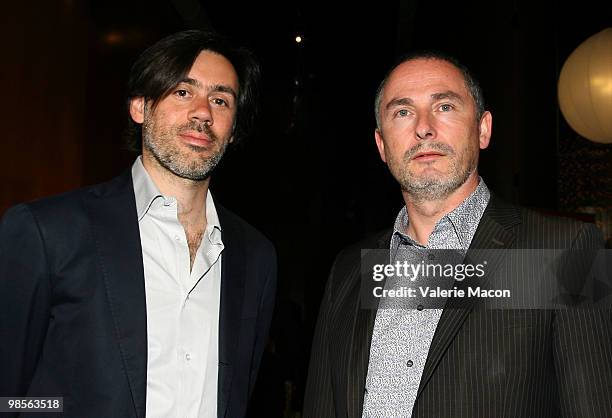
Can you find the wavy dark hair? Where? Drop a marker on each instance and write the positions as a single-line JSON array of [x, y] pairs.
[[162, 66]]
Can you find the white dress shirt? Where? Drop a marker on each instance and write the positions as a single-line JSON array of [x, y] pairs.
[[182, 305]]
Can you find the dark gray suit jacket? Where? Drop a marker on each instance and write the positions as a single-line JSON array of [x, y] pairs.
[[72, 304], [481, 363]]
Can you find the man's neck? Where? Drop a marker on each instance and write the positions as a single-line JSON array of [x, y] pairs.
[[423, 215], [191, 201], [190, 194]]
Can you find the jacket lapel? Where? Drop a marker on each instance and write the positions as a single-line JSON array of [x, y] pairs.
[[361, 339], [112, 209], [494, 232], [233, 276]]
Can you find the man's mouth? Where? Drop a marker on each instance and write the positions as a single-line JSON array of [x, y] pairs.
[[427, 155], [198, 139]]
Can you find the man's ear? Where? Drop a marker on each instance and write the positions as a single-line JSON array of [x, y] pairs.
[[486, 126], [380, 144], [137, 105]]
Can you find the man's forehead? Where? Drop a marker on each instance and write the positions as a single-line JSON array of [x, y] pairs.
[[428, 76], [427, 64]]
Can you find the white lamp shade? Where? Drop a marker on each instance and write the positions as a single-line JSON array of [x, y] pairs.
[[585, 88]]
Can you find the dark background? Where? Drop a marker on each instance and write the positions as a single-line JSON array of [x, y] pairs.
[[310, 178]]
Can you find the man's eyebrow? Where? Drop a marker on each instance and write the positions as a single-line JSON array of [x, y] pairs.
[[191, 81], [402, 101], [214, 88], [449, 94], [221, 88]]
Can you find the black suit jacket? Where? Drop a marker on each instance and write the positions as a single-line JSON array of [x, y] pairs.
[[481, 362], [72, 303]]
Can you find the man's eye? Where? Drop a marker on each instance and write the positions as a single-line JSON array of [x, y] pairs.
[[402, 113], [219, 102], [181, 93], [446, 107]]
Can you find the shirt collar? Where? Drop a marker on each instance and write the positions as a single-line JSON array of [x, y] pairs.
[[464, 219], [146, 192], [212, 218]]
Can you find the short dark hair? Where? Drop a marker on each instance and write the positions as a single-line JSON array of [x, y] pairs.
[[162, 66], [471, 83]]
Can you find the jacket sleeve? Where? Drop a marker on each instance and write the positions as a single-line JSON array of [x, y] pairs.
[[582, 353], [319, 395], [24, 299]]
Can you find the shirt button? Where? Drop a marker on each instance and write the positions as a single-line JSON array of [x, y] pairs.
[[420, 307], [177, 238], [409, 363], [187, 356]]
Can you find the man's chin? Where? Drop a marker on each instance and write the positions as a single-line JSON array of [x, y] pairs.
[[428, 186], [432, 179], [194, 173]]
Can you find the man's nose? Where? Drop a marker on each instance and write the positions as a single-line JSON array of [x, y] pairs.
[[424, 128], [200, 111]]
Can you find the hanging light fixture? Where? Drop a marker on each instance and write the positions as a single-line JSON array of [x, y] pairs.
[[585, 88]]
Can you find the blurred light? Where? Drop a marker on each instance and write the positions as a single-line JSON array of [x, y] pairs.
[[113, 38], [298, 39], [125, 37]]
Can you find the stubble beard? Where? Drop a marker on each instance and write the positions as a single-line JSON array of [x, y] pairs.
[[161, 143], [434, 186]]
